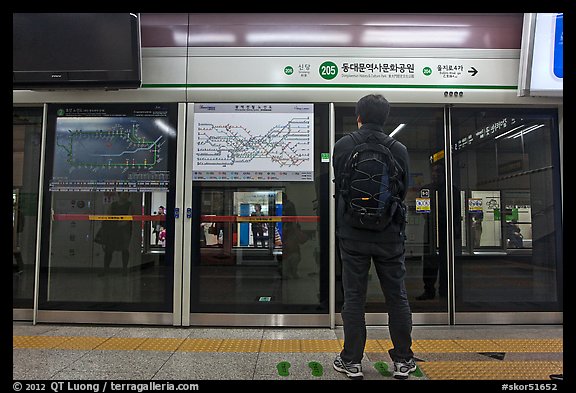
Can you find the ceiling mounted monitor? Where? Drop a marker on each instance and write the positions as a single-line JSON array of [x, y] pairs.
[[76, 51]]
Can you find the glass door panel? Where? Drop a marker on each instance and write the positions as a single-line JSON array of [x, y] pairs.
[[108, 240], [259, 250], [258, 224], [421, 130], [506, 164], [26, 148]]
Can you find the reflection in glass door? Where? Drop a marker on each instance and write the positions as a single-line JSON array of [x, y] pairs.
[[257, 252], [506, 166], [108, 222], [259, 189], [421, 130]]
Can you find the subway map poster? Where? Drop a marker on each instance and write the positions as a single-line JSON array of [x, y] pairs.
[[253, 142], [111, 147]]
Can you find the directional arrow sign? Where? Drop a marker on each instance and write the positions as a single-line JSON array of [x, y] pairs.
[[473, 71]]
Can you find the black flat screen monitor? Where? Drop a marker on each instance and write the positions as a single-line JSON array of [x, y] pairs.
[[76, 51]]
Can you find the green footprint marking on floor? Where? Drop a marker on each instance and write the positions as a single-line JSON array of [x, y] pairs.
[[382, 368], [317, 369], [282, 368]]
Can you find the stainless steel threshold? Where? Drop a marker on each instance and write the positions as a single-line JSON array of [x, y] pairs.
[[105, 317], [259, 320]]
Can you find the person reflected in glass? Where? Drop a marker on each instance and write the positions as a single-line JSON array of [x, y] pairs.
[[115, 233], [17, 229], [434, 267], [515, 238], [258, 227], [159, 225], [477, 219], [433, 262], [162, 236], [292, 237]]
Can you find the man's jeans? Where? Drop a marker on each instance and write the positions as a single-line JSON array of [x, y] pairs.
[[388, 260]]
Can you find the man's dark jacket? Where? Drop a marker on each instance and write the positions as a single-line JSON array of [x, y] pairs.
[[395, 231]]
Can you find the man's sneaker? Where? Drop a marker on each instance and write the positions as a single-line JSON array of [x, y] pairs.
[[403, 368], [352, 370]]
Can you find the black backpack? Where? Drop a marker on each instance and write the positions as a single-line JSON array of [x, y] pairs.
[[371, 185]]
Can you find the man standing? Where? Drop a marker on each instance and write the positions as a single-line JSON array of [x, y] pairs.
[[258, 226], [358, 247], [159, 224]]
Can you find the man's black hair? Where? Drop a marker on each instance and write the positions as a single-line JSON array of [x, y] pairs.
[[373, 108]]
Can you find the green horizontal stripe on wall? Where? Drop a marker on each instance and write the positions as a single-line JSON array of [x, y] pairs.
[[351, 86]]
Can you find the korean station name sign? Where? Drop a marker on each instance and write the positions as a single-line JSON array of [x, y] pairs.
[[320, 71]]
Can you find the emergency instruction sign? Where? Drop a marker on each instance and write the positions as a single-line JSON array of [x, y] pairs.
[[474, 205], [422, 205]]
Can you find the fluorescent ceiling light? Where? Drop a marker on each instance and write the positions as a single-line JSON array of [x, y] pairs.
[[417, 36], [212, 38], [526, 131], [411, 24], [397, 129], [165, 127], [275, 38], [508, 132]]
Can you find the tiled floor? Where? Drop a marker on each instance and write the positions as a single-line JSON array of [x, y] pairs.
[[65, 352]]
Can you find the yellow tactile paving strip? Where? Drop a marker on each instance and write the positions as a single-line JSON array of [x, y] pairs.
[[199, 344], [85, 343], [165, 344], [436, 370], [441, 346], [239, 345], [37, 341], [532, 345], [517, 370], [320, 346], [372, 345], [122, 343], [280, 346], [276, 345]]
